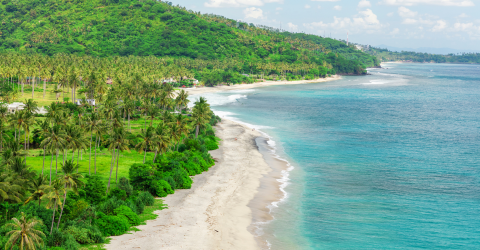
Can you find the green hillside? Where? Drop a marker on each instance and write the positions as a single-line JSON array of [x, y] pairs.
[[106, 28], [384, 55]]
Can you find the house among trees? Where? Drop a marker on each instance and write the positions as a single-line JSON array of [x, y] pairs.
[[14, 107], [90, 102]]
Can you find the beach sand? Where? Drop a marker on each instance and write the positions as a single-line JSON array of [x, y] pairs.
[[217, 212], [201, 90]]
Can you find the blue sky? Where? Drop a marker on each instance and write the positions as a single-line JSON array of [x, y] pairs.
[[399, 23]]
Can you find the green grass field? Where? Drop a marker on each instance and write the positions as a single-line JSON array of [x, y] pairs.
[[104, 157]]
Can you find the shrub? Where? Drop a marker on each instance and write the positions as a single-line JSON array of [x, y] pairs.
[[125, 185], [131, 204], [141, 176], [140, 206], [94, 189], [146, 198], [211, 144], [80, 234], [170, 181], [126, 212], [192, 168], [182, 179], [119, 193], [78, 208], [163, 188], [109, 206], [111, 225]]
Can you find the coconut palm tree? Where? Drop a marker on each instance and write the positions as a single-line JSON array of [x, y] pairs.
[[54, 196], [93, 124], [54, 140], [9, 190], [201, 114], [118, 140], [147, 141], [24, 233], [38, 189], [72, 181], [162, 139]]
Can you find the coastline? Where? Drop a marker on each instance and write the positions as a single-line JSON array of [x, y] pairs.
[[223, 206], [202, 90]]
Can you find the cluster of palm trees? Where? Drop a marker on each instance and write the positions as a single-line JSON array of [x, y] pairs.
[[62, 130]]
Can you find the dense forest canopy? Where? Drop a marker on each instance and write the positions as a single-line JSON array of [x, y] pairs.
[[385, 55], [104, 28]]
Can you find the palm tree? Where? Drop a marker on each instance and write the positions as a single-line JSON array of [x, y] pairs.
[[201, 114], [54, 141], [9, 190], [57, 91], [24, 233], [183, 99], [93, 124], [71, 179], [44, 127], [3, 126], [38, 189], [162, 139], [147, 140], [117, 141], [54, 197]]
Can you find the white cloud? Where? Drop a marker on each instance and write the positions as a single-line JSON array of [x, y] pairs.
[[319, 7], [238, 3], [292, 26], [463, 26], [441, 25], [307, 6], [461, 3], [395, 31], [406, 13], [390, 14], [253, 13], [325, 0], [364, 4], [365, 21], [279, 8], [409, 21], [337, 7], [463, 15]]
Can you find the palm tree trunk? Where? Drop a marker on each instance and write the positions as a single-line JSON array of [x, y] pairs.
[[78, 155], [53, 217], [116, 172], [196, 131], [130, 128], [51, 162], [111, 169], [90, 157], [43, 159], [56, 164], [95, 160], [155, 157], [44, 86], [63, 205], [145, 155]]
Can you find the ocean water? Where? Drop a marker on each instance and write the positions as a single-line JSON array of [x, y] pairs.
[[385, 161]]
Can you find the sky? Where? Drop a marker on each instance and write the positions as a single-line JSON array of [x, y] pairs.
[[399, 23]]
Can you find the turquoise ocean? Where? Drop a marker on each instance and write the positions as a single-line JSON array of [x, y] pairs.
[[389, 160]]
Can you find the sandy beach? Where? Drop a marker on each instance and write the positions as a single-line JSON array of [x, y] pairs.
[[217, 212], [201, 90]]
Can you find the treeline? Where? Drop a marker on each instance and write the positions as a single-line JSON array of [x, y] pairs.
[[103, 28], [385, 55]]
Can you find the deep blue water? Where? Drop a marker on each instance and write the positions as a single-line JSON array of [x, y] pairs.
[[385, 161]]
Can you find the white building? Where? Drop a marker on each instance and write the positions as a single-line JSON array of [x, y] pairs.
[[14, 107], [90, 102]]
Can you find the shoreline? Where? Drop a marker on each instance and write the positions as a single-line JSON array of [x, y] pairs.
[[202, 90], [223, 206]]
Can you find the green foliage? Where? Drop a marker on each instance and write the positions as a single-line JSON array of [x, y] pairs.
[[119, 193], [141, 176], [163, 188], [79, 234], [94, 189], [146, 198], [111, 225], [127, 213], [384, 55], [124, 184], [78, 208], [108, 207]]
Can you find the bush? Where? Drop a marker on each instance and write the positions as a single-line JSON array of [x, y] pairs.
[[140, 206], [127, 213], [163, 189], [141, 176], [131, 204], [146, 198], [125, 185], [182, 179], [119, 193], [80, 234], [111, 225], [211, 144], [192, 168], [109, 206], [94, 189], [78, 208]]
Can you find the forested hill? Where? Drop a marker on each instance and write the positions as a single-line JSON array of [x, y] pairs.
[[385, 55], [107, 28]]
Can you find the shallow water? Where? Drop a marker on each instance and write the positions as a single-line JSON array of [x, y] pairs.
[[385, 161]]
